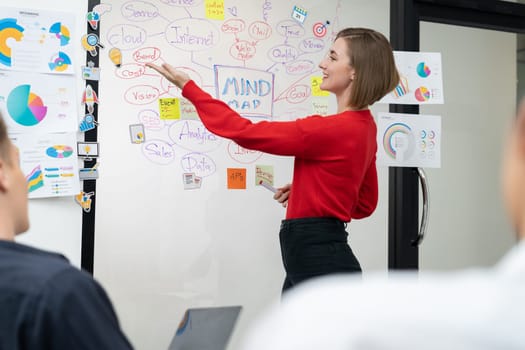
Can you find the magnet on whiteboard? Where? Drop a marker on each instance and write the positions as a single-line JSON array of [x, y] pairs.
[[137, 133], [84, 200], [90, 72], [87, 150], [87, 123], [299, 14], [88, 173], [190, 181]]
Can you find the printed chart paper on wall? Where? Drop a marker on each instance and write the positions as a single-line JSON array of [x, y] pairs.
[[408, 140], [37, 97], [421, 79]]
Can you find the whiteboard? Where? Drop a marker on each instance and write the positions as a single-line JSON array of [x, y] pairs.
[[56, 223], [160, 248]]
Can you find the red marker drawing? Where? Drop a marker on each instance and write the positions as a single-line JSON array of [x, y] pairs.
[[268, 186]]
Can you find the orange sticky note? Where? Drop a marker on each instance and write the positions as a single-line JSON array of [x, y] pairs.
[[236, 178]]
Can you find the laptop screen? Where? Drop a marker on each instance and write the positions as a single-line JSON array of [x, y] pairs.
[[205, 328]]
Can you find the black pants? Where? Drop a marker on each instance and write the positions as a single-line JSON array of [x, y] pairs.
[[312, 247]]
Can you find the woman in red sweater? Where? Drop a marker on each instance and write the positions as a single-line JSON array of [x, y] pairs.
[[335, 178]]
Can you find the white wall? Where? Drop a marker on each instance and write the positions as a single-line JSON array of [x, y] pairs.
[[56, 223], [468, 225]]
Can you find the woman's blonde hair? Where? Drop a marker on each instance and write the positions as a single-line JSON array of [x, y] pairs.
[[375, 70]]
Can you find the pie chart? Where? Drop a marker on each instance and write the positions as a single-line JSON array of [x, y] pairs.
[[422, 94], [25, 107]]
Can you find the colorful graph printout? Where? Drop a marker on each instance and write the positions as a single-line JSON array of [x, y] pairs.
[[421, 80], [36, 41], [408, 140], [49, 162], [34, 103]]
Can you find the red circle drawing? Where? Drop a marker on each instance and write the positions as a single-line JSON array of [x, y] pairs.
[[319, 29]]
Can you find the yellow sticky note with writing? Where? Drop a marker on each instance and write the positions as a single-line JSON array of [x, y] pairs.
[[316, 90], [169, 108], [215, 9]]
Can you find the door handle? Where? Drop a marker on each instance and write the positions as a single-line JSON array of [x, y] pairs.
[[424, 215]]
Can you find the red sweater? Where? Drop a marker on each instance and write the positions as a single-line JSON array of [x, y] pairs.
[[334, 171]]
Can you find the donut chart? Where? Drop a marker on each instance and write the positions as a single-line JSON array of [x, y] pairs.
[[398, 141], [25, 107], [9, 29], [59, 151]]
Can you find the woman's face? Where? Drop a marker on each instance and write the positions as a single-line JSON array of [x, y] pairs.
[[337, 72]]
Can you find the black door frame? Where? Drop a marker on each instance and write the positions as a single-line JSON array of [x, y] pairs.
[[405, 18], [87, 257]]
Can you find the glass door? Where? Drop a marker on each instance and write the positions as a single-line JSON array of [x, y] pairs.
[[467, 221]]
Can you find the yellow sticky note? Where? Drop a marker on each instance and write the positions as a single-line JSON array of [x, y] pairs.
[[236, 178], [215, 9], [316, 90], [169, 108], [264, 173]]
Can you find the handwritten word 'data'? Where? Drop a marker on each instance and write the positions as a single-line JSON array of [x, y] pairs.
[[159, 152], [139, 11], [146, 54], [198, 163]]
